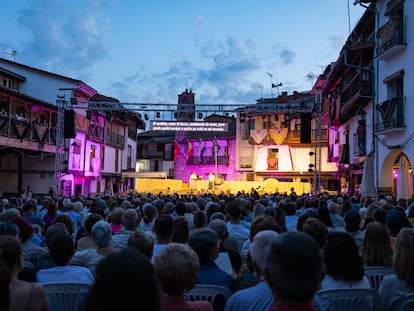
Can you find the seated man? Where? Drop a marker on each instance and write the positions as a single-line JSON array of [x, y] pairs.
[[293, 270], [62, 249], [206, 244], [130, 220]]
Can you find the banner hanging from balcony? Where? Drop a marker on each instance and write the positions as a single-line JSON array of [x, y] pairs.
[[278, 135], [201, 149], [258, 135], [41, 131], [177, 150], [20, 128], [190, 150]]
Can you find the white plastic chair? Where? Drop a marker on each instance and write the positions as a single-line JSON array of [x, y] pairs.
[[346, 299], [66, 297], [216, 295], [375, 274], [405, 303]]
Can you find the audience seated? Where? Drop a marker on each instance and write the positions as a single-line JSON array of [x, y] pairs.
[[376, 248], [143, 242], [205, 243], [164, 230], [22, 295], [258, 297], [61, 248], [130, 220], [86, 241], [116, 219], [395, 286], [236, 230], [89, 258], [181, 230], [124, 280], [353, 226], [233, 257], [292, 269], [177, 267], [344, 265]]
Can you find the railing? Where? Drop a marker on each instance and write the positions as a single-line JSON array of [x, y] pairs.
[[208, 160], [27, 130], [96, 133], [148, 154], [358, 86], [115, 140], [390, 115], [391, 35]]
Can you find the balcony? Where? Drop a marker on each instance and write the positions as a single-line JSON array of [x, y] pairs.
[[152, 154], [208, 160], [356, 94], [390, 116], [293, 138], [31, 134], [115, 140], [392, 37], [96, 133]]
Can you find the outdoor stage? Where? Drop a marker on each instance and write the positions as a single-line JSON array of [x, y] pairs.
[[270, 185]]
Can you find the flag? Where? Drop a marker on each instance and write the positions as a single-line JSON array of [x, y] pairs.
[[189, 150], [216, 147], [201, 149], [177, 150]]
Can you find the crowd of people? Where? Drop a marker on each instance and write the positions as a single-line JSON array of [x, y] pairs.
[[271, 251]]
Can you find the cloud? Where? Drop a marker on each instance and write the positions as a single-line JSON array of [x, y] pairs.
[[63, 38], [287, 56]]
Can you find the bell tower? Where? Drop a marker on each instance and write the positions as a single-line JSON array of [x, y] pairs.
[[186, 106]]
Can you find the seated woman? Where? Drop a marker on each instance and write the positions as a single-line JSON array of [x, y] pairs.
[[397, 285], [343, 264], [23, 295], [177, 267], [124, 281], [376, 247]]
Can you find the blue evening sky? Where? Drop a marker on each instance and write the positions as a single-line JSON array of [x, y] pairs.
[[152, 50]]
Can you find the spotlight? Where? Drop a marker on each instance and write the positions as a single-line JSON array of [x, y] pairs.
[[88, 114], [276, 117], [200, 115], [263, 115], [242, 117], [158, 115], [146, 117], [287, 118]]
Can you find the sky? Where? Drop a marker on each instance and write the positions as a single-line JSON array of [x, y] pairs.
[[149, 51]]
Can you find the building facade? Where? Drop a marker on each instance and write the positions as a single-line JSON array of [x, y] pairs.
[[73, 143]]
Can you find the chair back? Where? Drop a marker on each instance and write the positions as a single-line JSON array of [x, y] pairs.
[[216, 295], [66, 297], [405, 303], [346, 299], [375, 274]]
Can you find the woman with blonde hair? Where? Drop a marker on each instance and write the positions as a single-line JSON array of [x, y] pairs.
[[401, 283], [23, 295], [177, 267]]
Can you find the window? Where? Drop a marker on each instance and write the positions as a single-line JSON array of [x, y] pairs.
[[102, 157]]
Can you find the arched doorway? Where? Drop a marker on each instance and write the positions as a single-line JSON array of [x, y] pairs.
[[396, 175]]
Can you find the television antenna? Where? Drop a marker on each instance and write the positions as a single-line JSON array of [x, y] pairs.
[[12, 54]]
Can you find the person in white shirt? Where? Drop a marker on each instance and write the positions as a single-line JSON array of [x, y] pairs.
[[62, 250]]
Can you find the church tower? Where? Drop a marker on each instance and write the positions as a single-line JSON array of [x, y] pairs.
[[186, 106]]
